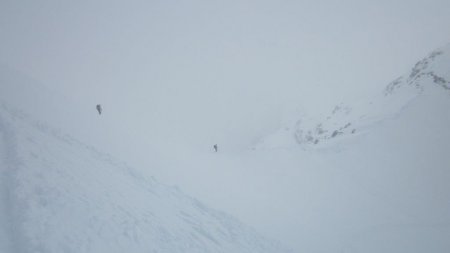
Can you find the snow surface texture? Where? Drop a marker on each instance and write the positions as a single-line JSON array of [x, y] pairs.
[[60, 195], [345, 120]]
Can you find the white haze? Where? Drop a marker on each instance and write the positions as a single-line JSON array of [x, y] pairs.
[[200, 72], [176, 77]]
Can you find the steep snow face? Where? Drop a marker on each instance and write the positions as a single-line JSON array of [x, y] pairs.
[[59, 195], [345, 120]]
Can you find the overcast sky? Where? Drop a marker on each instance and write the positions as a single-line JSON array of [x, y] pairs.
[[242, 50], [224, 53]]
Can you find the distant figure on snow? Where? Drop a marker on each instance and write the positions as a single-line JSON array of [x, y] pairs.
[[99, 109], [215, 147]]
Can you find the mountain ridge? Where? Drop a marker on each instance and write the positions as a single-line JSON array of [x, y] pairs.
[[352, 119], [64, 196]]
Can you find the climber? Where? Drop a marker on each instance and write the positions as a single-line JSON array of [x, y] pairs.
[[99, 109]]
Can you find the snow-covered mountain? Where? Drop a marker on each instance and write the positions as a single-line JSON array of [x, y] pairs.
[[372, 176], [345, 120], [60, 195]]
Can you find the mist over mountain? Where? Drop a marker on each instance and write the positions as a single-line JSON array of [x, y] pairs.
[[370, 176], [330, 137], [349, 119], [60, 195]]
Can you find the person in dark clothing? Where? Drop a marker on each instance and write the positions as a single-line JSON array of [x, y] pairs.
[[99, 108], [215, 147]]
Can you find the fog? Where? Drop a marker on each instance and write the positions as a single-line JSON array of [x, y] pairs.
[[176, 77], [214, 71]]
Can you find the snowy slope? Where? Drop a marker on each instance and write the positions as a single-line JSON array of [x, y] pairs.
[[381, 183], [59, 195], [349, 119], [401, 166]]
